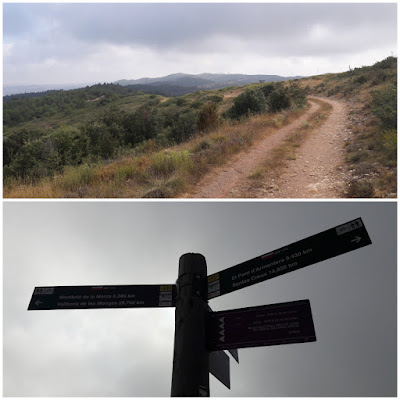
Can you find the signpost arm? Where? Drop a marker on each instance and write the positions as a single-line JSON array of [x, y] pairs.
[[190, 375]]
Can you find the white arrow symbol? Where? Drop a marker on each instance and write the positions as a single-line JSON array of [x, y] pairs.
[[356, 239], [39, 302], [222, 331]]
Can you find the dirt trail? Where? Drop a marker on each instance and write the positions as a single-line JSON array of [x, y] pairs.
[[313, 174], [317, 171]]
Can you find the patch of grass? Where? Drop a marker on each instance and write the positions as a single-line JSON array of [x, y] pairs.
[[307, 125], [361, 189], [164, 164], [165, 187], [75, 179], [279, 120], [124, 173], [358, 156]]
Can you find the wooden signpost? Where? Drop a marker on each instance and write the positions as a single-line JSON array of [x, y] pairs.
[[201, 335]]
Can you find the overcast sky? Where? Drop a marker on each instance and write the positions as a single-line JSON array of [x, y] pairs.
[[75, 43], [128, 352]]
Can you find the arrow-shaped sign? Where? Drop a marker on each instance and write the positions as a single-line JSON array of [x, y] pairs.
[[118, 296], [335, 241]]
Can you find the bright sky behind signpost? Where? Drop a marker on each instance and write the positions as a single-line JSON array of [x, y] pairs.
[[48, 43]]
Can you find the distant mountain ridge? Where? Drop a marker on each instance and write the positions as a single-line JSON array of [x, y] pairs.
[[9, 90], [177, 84], [204, 81]]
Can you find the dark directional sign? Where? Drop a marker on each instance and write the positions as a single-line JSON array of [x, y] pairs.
[[118, 296], [219, 367], [331, 243], [269, 325]]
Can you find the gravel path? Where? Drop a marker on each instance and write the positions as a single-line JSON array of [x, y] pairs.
[[223, 181], [315, 173]]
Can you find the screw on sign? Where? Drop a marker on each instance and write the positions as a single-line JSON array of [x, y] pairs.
[[201, 335]]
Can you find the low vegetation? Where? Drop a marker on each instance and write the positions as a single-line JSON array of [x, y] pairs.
[[70, 157], [152, 172]]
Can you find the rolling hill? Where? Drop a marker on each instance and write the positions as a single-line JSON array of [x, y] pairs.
[[205, 81], [112, 140]]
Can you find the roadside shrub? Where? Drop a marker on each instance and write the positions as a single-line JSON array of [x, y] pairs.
[[208, 117], [361, 189], [248, 102], [165, 164], [278, 100], [358, 156], [389, 142], [384, 106], [267, 89], [297, 95]]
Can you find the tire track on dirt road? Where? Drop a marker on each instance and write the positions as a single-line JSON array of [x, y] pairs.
[[317, 171], [224, 181]]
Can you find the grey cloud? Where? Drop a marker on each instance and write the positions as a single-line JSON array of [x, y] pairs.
[[185, 26], [65, 43]]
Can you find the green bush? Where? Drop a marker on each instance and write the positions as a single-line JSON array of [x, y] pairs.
[[267, 89], [139, 126], [183, 127], [388, 63], [180, 101], [297, 95], [361, 79], [384, 106], [389, 141], [361, 189], [248, 102], [197, 104], [278, 100], [207, 118]]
